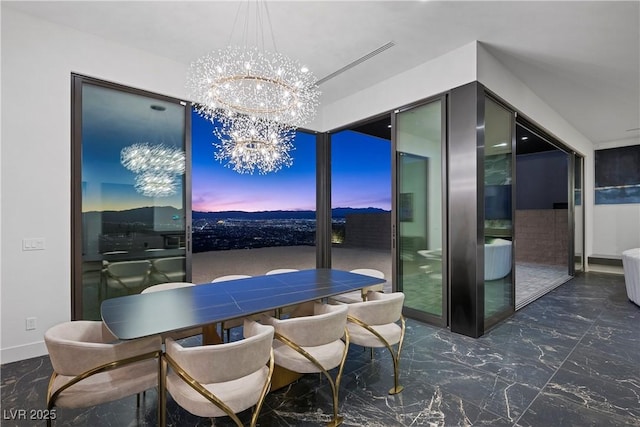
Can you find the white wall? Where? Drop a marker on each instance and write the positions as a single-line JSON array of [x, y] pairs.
[[37, 60], [503, 83], [616, 227], [450, 70]]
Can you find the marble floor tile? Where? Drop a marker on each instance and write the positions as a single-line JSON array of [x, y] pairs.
[[614, 398], [528, 339], [552, 410], [591, 363]]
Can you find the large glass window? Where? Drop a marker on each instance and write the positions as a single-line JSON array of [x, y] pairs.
[[361, 198], [251, 223], [131, 187], [419, 218], [498, 216]]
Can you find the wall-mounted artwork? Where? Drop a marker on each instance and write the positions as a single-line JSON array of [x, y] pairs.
[[617, 173]]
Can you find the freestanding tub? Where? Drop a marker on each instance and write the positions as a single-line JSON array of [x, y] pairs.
[[631, 266], [497, 259]]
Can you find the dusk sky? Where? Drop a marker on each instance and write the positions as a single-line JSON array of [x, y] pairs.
[[361, 169]]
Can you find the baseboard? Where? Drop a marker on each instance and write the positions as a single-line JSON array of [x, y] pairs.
[[613, 260], [22, 352]]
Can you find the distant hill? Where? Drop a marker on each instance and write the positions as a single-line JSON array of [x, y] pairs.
[[147, 215], [336, 213], [167, 214]]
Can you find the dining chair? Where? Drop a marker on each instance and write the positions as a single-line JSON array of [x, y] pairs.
[[176, 335], [280, 271], [129, 276], [373, 323], [90, 365], [222, 379], [171, 269], [227, 325], [312, 343], [230, 277], [372, 273]]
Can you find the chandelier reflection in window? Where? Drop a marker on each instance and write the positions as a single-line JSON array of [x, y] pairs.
[[251, 144], [158, 167], [259, 97]]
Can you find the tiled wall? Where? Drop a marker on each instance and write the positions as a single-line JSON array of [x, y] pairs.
[[542, 236], [368, 230]]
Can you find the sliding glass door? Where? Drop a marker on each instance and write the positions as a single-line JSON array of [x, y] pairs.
[[499, 130], [419, 207], [130, 192]]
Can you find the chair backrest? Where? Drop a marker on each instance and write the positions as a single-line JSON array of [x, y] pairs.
[[280, 271], [230, 277], [129, 268], [379, 309], [77, 346], [225, 362], [169, 264], [369, 272], [326, 325], [166, 286]]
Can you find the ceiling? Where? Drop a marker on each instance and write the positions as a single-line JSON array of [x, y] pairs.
[[581, 57]]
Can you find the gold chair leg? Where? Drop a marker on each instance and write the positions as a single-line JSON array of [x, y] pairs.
[[395, 356], [162, 394], [335, 385]]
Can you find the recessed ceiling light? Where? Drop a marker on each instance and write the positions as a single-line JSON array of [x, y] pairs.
[[389, 126], [524, 138]]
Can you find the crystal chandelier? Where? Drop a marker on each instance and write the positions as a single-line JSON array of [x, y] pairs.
[[258, 97], [157, 167], [250, 144], [253, 82]]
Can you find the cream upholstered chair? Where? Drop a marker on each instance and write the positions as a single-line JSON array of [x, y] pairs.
[[174, 285], [166, 286], [230, 277], [373, 323], [90, 365], [130, 276], [227, 325], [171, 269], [312, 343], [373, 273], [222, 379], [280, 271]]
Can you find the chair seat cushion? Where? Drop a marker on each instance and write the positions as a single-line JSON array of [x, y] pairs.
[[360, 336], [329, 356], [107, 386], [239, 394]]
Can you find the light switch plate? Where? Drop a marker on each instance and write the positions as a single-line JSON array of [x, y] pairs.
[[33, 244]]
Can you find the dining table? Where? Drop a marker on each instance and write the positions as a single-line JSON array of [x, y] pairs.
[[140, 315]]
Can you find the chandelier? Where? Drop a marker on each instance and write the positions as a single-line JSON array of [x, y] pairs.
[[253, 82], [157, 167], [258, 97], [250, 144]]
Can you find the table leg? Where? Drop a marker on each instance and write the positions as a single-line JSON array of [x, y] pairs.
[[210, 335], [282, 377]]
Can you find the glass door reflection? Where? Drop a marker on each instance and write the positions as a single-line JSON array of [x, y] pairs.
[[419, 212], [133, 230]]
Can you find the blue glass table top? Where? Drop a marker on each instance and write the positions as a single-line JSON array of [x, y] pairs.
[[141, 315]]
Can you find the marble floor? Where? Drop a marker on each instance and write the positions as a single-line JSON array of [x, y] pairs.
[[568, 359]]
